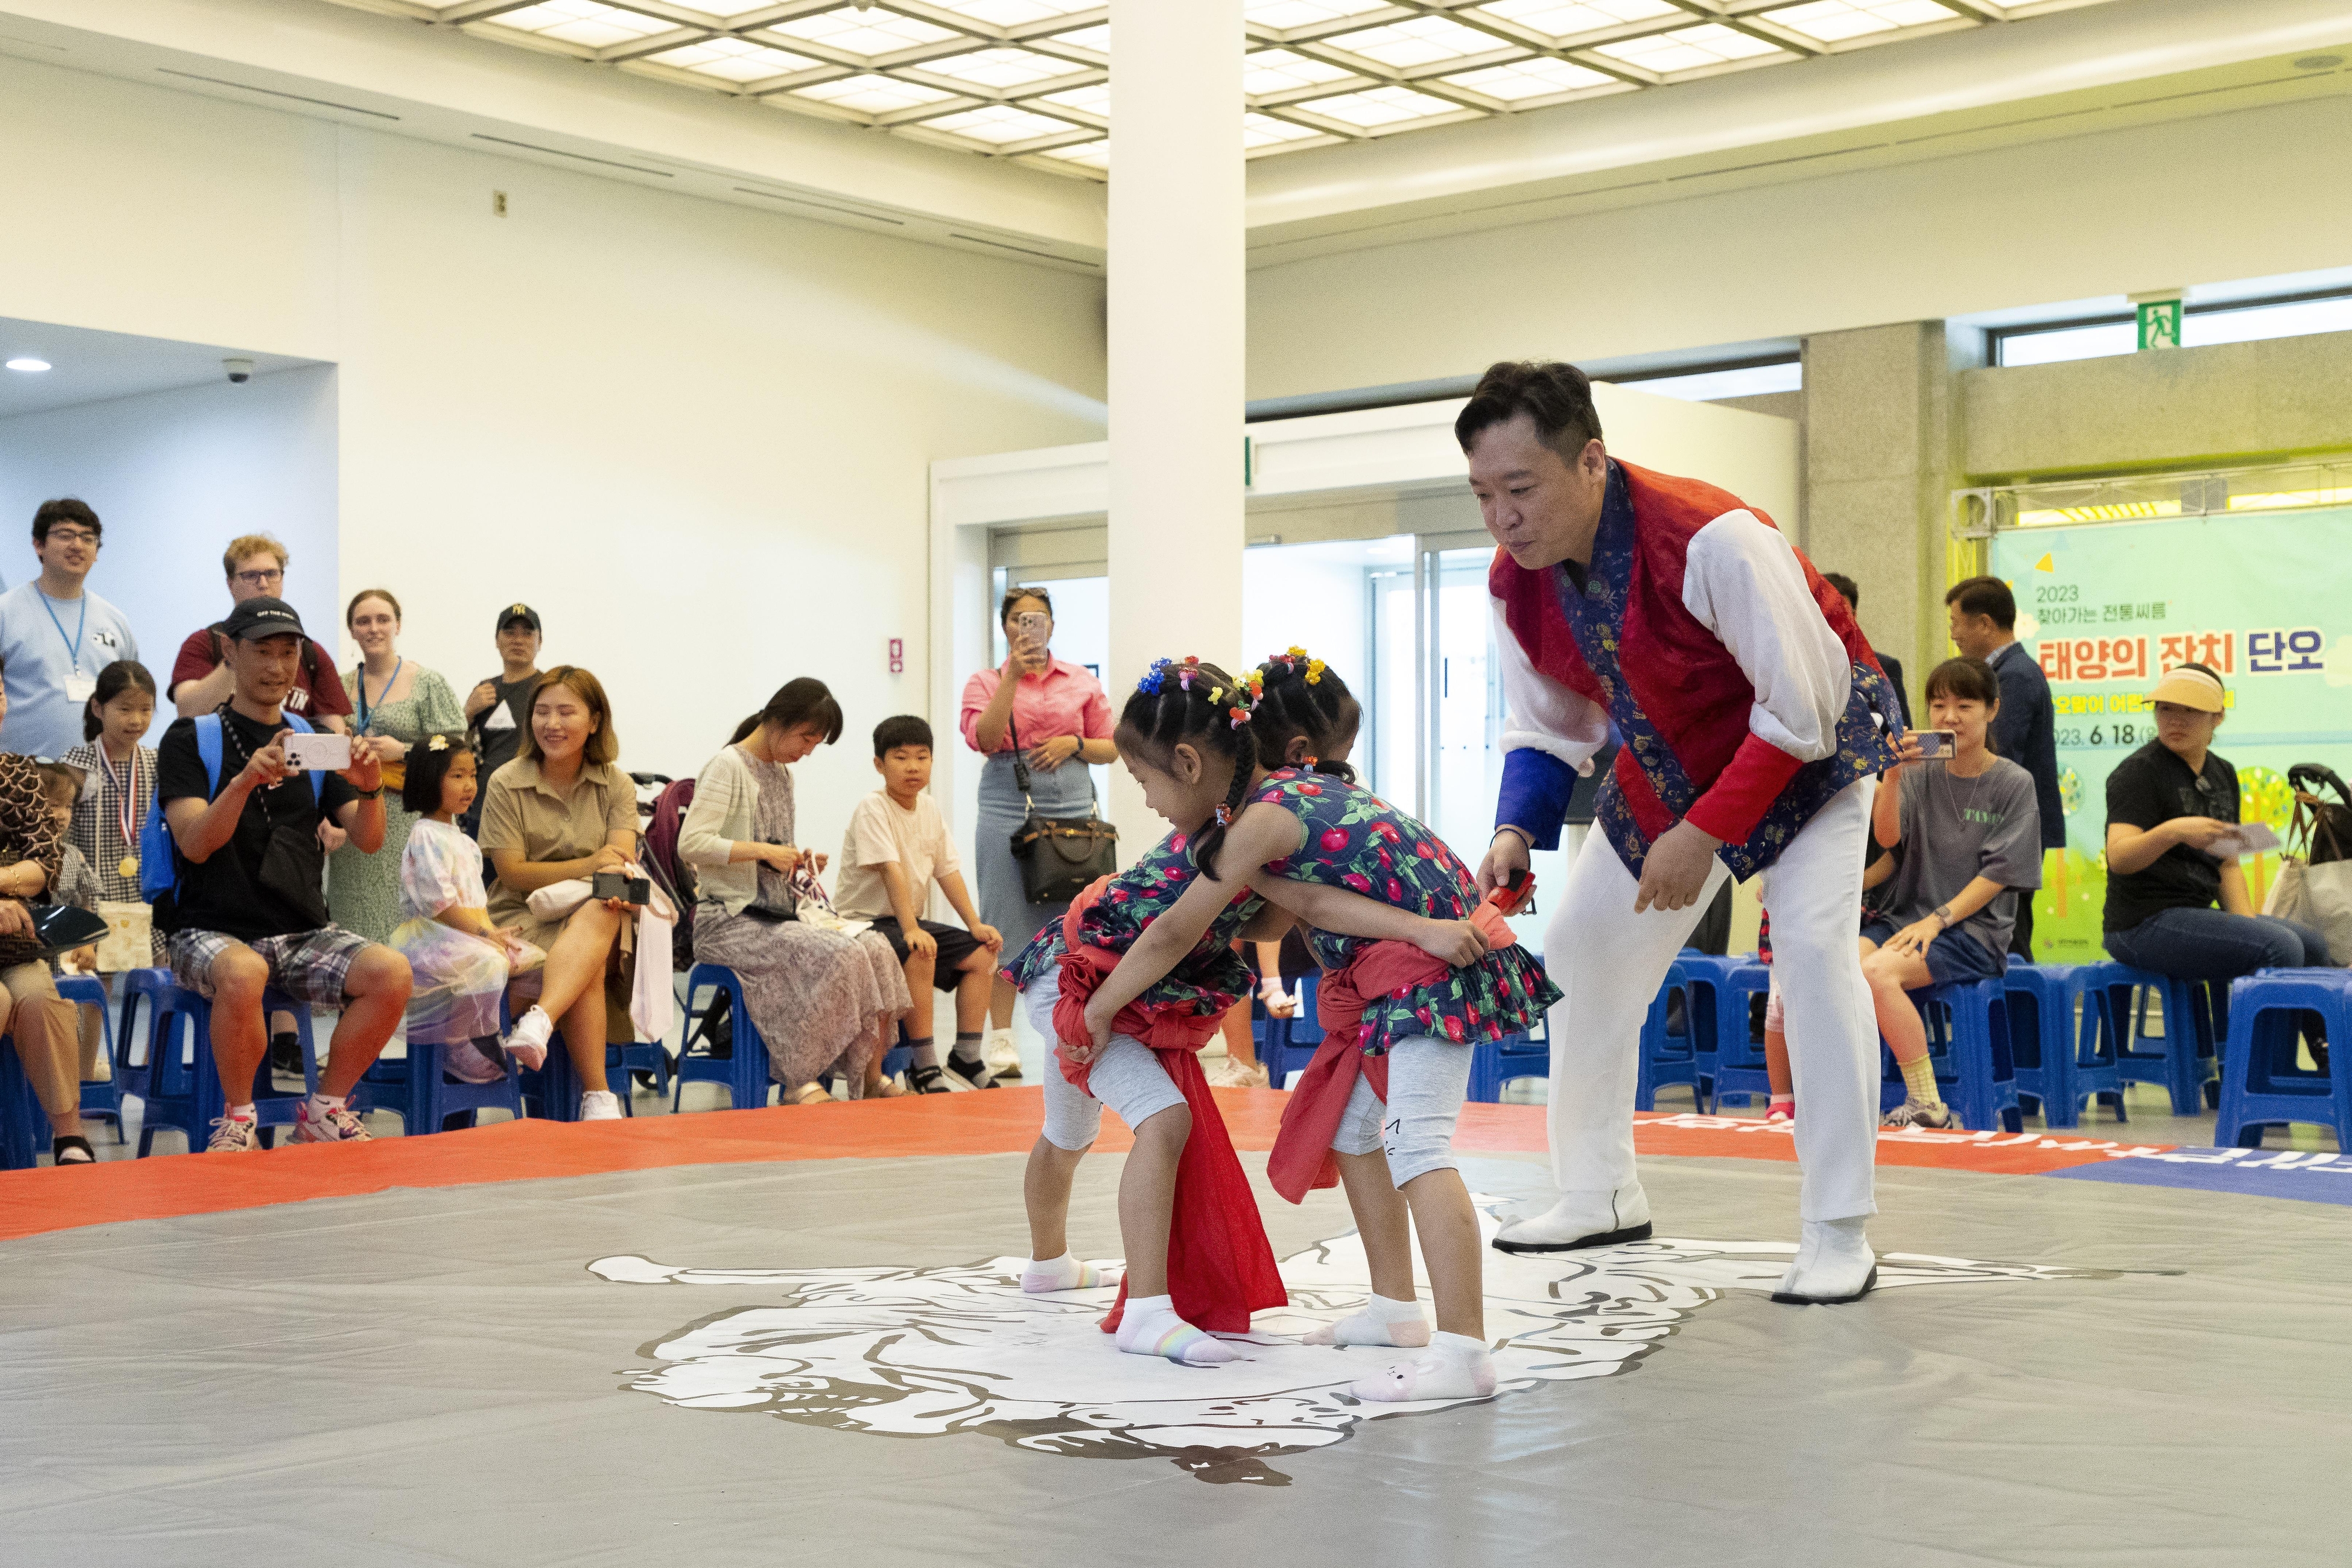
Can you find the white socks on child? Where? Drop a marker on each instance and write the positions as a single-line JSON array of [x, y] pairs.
[[1063, 1273], [1150, 1327], [1456, 1367], [1382, 1322]]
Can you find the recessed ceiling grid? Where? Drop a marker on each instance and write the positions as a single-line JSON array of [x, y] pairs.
[[1027, 79]]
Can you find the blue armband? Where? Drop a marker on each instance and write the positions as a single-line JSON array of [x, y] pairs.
[[1536, 787]]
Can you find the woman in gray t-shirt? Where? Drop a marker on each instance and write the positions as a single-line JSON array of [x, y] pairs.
[[1966, 834]]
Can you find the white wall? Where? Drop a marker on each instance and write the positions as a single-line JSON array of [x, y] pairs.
[[174, 476], [2196, 200], [694, 435]]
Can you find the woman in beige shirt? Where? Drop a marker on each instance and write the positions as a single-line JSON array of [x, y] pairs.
[[559, 811]]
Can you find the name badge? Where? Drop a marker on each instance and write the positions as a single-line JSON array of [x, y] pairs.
[[79, 688]]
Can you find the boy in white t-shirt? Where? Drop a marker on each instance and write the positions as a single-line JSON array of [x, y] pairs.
[[897, 846]]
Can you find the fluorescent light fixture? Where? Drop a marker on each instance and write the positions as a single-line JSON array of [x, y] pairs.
[[29, 365]]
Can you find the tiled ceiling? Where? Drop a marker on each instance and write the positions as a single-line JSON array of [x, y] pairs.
[[1027, 79]]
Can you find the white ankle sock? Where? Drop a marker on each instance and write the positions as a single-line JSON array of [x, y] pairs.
[[322, 1103], [1455, 1367], [244, 1112], [1063, 1273], [1382, 1321], [1150, 1327]]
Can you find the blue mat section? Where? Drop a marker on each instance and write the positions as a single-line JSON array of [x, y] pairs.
[[2265, 1173]]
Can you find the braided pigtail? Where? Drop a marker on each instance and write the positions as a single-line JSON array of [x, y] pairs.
[[1305, 699], [1189, 703]]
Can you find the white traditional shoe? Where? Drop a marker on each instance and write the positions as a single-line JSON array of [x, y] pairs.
[[1580, 1219], [1834, 1264], [1003, 1056]]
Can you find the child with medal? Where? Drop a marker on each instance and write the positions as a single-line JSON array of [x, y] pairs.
[[120, 774]]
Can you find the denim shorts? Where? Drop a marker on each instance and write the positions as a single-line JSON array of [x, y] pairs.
[[1954, 958]]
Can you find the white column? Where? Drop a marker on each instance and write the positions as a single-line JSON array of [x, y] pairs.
[[1176, 328]]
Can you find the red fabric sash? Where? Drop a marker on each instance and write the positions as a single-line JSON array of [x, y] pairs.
[[1220, 1267], [1301, 1160]]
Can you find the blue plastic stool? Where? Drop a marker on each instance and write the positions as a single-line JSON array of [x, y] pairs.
[[2260, 1086], [24, 1126], [1495, 1062], [2196, 1023], [186, 1085], [102, 1098], [1738, 1065], [433, 1102], [1968, 1037], [2072, 1064], [136, 1078], [744, 1074], [1668, 1058]]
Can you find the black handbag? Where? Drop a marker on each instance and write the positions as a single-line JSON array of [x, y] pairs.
[[1059, 857]]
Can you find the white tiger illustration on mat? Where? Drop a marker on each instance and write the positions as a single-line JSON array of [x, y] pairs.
[[931, 1351]]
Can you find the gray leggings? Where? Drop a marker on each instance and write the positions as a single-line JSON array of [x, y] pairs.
[[1427, 1077], [1126, 1077]]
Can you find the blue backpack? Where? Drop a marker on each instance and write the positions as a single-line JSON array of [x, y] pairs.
[[159, 855]]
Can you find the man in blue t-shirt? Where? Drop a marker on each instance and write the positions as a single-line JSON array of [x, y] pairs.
[[1983, 616], [54, 637]]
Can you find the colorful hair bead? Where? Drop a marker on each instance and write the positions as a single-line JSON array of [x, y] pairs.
[[1154, 677]]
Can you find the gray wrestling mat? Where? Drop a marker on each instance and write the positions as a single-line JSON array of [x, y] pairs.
[[820, 1362]]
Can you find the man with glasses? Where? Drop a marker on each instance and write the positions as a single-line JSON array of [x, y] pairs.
[[256, 565], [54, 637]]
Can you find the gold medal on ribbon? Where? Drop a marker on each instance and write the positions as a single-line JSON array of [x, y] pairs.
[[130, 866]]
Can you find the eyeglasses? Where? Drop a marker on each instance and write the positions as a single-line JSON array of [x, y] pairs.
[[255, 579], [72, 536]]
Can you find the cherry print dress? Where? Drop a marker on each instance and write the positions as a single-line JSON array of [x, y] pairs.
[[1351, 838], [1206, 982]]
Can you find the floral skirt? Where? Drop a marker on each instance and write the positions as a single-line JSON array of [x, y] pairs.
[[819, 998]]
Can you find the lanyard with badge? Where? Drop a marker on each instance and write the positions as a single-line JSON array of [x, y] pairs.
[[79, 688], [126, 807]]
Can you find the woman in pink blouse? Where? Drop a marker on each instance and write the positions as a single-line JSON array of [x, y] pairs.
[[1059, 717]]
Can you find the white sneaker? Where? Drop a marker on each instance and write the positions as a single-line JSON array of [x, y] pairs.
[[1579, 1219], [1834, 1264], [1003, 1056], [599, 1105], [527, 1041]]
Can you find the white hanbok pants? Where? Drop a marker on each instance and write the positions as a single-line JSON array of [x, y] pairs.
[[1609, 963]]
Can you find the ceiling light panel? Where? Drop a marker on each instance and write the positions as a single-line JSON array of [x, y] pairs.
[[1378, 108], [1094, 100], [871, 94], [1270, 71], [1284, 15], [1094, 40], [867, 33], [1419, 41], [999, 70], [734, 59], [998, 124], [1093, 155], [1265, 131], [1559, 19], [1015, 12], [1836, 21], [1522, 80], [1688, 48], [583, 22]]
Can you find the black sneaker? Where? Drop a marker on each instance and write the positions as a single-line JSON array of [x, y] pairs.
[[973, 1070], [285, 1054]]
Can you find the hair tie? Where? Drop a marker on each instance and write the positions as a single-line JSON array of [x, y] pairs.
[[1224, 815], [1314, 671], [1154, 677], [1310, 762], [439, 743], [1187, 670]]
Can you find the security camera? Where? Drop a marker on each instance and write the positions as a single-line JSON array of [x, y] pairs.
[[239, 371]]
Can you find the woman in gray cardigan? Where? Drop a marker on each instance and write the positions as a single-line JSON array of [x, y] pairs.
[[822, 1000]]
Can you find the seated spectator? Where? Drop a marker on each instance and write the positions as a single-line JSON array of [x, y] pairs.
[[55, 636], [497, 710], [823, 1000], [461, 958], [561, 811], [2167, 802], [1982, 613], [201, 679], [77, 884], [400, 702], [1965, 833], [41, 1023], [246, 910], [897, 846]]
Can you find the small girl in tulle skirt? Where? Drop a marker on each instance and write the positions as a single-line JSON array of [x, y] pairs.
[[461, 961]]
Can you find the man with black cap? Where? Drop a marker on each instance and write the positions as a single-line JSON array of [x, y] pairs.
[[245, 912], [498, 709]]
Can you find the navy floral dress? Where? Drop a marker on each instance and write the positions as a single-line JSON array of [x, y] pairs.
[[1208, 980], [1351, 838]]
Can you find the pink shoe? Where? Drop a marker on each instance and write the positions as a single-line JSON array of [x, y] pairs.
[[336, 1126], [465, 1062]]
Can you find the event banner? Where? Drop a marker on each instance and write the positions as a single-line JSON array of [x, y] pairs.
[[2258, 596]]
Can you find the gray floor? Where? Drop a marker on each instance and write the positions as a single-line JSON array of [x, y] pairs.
[[435, 1377]]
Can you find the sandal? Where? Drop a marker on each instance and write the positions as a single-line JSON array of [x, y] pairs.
[[812, 1094], [72, 1143]]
